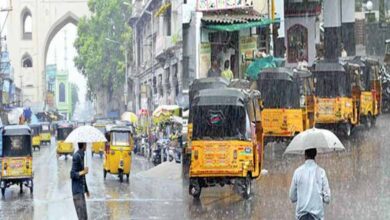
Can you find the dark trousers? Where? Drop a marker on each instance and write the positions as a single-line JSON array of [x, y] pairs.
[[81, 206], [307, 216]]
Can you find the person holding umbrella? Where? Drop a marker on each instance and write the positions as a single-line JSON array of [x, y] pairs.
[[82, 135], [309, 186], [310, 189], [79, 183]]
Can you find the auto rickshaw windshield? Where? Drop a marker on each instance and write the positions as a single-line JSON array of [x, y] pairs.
[[279, 93], [120, 139], [332, 84], [220, 122], [101, 129], [35, 131], [45, 127], [17, 146], [63, 133]]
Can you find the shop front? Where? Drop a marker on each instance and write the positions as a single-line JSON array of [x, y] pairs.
[[230, 40]]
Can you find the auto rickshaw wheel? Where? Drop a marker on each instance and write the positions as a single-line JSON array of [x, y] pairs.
[[101, 154], [247, 187], [373, 121], [21, 188], [32, 187], [104, 173], [194, 188], [3, 192], [368, 121], [120, 176], [127, 177]]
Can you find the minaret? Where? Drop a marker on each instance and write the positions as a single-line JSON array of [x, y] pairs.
[[65, 51]]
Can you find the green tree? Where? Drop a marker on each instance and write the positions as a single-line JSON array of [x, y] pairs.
[[102, 61], [75, 95]]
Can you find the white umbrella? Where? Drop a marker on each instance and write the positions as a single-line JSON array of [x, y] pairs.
[[85, 134], [321, 139]]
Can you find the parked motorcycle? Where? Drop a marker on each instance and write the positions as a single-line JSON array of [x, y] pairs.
[[159, 154]]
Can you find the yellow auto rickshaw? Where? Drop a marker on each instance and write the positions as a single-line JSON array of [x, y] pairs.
[[63, 130], [36, 137], [45, 133], [227, 139], [16, 158], [287, 101], [117, 155], [98, 147]]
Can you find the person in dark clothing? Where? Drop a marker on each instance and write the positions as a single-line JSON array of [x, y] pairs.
[[214, 70], [79, 184]]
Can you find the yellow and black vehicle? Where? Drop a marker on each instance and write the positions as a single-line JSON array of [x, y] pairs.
[[227, 139], [98, 147], [287, 102], [117, 156], [45, 133], [366, 88], [195, 87], [336, 105], [36, 135], [63, 148], [17, 160]]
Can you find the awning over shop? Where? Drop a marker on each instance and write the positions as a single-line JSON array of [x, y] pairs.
[[239, 26]]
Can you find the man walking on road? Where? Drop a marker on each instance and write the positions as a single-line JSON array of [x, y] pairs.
[[79, 184], [310, 189]]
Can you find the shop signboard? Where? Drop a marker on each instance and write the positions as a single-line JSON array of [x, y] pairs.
[[248, 47], [205, 59], [212, 5]]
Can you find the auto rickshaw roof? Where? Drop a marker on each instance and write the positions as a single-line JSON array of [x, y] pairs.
[[240, 84], [16, 130], [224, 96], [279, 73], [326, 66], [121, 129], [208, 83], [64, 125], [45, 123], [35, 125]]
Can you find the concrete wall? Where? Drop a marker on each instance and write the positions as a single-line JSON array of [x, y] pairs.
[[48, 17], [375, 38]]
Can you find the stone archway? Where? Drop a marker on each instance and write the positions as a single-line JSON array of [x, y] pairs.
[[68, 18], [47, 19]]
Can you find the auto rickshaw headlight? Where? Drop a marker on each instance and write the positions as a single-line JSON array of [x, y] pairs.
[[5, 166], [112, 152], [196, 154], [129, 153], [121, 163], [27, 165]]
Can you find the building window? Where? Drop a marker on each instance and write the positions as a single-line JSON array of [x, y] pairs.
[[27, 61], [26, 19], [297, 48], [61, 93]]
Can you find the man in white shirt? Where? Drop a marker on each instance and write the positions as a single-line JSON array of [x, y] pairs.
[[310, 189]]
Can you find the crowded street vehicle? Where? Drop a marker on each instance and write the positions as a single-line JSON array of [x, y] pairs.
[[63, 148], [367, 88], [45, 133], [36, 135], [118, 152], [335, 107], [98, 147], [227, 139], [17, 159], [287, 102]]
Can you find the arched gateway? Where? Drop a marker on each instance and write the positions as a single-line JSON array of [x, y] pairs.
[[31, 25]]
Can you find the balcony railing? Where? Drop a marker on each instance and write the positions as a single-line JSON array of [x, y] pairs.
[[162, 44]]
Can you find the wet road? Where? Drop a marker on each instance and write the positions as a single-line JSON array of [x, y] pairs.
[[359, 179]]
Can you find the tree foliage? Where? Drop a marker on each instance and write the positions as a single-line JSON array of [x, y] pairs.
[[100, 60]]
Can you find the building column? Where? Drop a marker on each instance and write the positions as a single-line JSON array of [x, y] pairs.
[[180, 74], [165, 86], [348, 26], [137, 94], [332, 27]]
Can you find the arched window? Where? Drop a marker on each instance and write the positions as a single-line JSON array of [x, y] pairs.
[[61, 93], [26, 24], [297, 44], [27, 61]]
